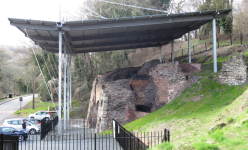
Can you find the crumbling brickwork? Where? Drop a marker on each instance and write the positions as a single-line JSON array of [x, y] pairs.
[[233, 70], [130, 93]]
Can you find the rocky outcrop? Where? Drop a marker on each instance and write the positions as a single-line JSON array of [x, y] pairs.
[[53, 84], [130, 93], [233, 70]]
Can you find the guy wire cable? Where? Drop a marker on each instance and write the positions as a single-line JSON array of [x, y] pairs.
[[134, 6], [41, 71], [52, 66]]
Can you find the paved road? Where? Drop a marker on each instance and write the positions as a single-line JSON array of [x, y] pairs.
[[10, 106]]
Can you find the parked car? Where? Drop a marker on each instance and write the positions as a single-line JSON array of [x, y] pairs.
[[40, 115], [17, 124], [12, 131], [34, 121]]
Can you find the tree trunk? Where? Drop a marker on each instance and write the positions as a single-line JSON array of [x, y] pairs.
[[196, 34]]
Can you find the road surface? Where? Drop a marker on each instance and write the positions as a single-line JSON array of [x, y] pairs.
[[8, 107]]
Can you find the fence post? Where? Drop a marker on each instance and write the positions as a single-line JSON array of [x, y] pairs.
[[1, 140], [218, 42], [231, 39], [168, 135], [165, 138], [206, 46], [95, 141], [194, 49], [182, 53], [241, 38]]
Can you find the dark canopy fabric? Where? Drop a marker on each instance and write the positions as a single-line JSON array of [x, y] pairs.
[[115, 33]]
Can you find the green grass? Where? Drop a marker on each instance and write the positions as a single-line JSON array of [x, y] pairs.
[[219, 59], [201, 59], [230, 120], [39, 105], [193, 118], [163, 146], [205, 146], [216, 96]]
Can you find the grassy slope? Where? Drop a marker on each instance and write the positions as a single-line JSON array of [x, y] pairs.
[[202, 106], [39, 105]]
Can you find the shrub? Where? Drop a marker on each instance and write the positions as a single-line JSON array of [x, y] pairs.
[[230, 120], [205, 146]]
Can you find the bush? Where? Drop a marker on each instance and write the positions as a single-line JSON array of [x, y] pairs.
[[230, 120], [205, 146], [218, 136], [163, 146]]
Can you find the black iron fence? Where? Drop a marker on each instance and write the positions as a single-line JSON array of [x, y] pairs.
[[138, 141], [8, 142], [76, 136], [47, 126]]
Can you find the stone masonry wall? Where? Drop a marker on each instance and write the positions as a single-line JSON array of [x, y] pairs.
[[233, 70], [130, 93]]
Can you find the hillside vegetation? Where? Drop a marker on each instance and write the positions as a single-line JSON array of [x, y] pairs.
[[190, 116]]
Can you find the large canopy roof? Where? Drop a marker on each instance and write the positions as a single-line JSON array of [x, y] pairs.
[[115, 33]]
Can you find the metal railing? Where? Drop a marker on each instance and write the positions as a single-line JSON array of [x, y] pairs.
[[47, 126], [138, 141], [8, 142]]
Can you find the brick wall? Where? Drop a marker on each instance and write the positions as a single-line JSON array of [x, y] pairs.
[[151, 86], [190, 68]]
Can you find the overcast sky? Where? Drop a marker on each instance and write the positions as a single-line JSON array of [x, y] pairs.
[[32, 9]]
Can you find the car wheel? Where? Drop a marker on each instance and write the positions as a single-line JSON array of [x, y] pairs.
[[21, 137], [32, 131]]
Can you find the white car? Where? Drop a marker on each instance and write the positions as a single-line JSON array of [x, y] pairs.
[[17, 124], [40, 115]]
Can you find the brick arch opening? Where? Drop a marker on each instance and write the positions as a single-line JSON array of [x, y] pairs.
[[143, 108]]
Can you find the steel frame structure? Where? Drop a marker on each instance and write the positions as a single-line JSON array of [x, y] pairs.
[[112, 34]]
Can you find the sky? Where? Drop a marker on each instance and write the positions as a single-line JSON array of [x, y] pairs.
[[35, 10], [30, 9]]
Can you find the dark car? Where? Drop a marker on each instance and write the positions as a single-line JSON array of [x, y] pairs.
[[12, 131]]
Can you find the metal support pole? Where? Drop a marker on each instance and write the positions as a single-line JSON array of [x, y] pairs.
[[70, 80], [60, 89], [189, 47], [65, 86], [214, 46], [172, 51], [68, 86], [33, 88], [160, 56]]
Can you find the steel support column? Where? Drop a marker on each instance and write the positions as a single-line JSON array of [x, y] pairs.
[[70, 79], [214, 45], [172, 51], [68, 87], [160, 56], [189, 47], [60, 77], [65, 77]]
